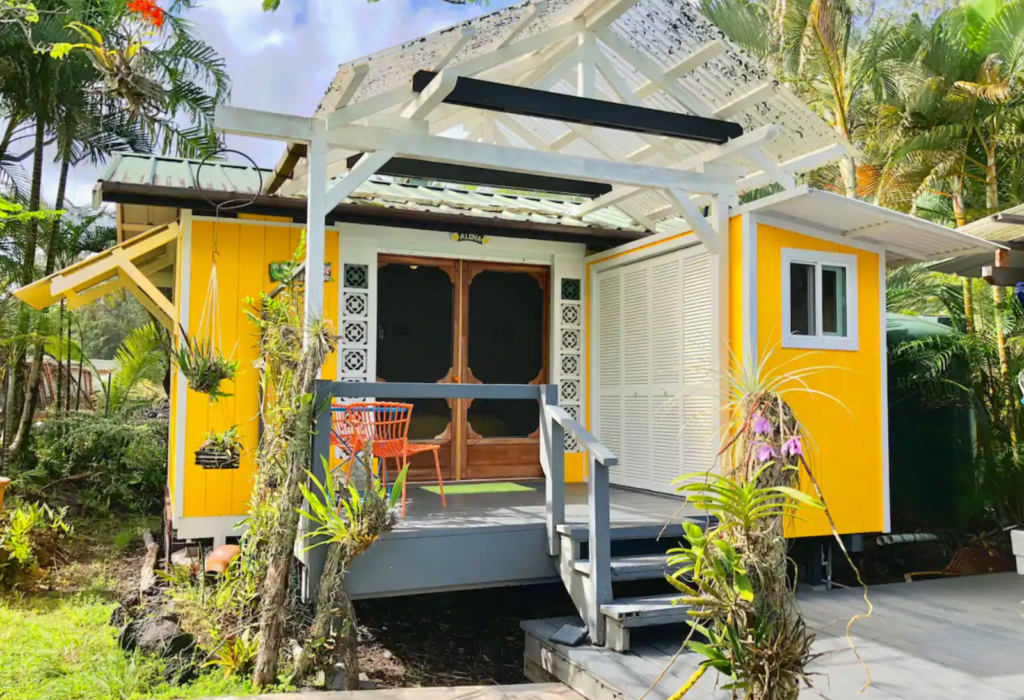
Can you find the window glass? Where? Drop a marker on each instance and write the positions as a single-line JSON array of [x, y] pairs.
[[801, 299], [833, 300]]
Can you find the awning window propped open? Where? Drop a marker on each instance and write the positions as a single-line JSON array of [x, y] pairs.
[[132, 265]]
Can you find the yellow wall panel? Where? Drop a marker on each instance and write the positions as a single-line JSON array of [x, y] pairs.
[[245, 251], [843, 423]]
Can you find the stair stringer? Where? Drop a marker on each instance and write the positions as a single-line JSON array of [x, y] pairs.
[[580, 590]]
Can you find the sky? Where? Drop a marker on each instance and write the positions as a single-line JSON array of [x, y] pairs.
[[284, 61]]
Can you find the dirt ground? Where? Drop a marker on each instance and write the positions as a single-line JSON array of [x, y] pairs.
[[448, 639]]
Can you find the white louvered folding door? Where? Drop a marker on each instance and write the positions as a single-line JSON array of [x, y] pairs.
[[654, 394]]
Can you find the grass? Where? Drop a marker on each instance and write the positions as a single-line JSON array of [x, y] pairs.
[[56, 642], [64, 648]]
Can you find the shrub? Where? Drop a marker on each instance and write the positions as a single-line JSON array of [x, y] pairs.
[[32, 536], [99, 465]]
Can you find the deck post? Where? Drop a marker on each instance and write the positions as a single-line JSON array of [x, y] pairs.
[[320, 459], [552, 455], [600, 546]]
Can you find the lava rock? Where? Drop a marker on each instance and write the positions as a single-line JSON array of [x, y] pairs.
[[160, 636]]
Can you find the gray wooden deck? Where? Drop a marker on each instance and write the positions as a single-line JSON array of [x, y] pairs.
[[485, 539], [519, 508], [949, 638], [529, 691]]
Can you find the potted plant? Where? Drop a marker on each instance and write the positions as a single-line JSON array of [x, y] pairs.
[[220, 450], [203, 365]]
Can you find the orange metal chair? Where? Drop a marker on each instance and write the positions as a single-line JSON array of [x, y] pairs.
[[386, 427]]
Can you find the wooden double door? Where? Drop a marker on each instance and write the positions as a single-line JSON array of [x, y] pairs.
[[456, 321]]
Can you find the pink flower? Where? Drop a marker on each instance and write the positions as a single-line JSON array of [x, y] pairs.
[[761, 425], [793, 447], [764, 452]]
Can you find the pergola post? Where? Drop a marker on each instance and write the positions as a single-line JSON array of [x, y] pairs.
[[316, 225]]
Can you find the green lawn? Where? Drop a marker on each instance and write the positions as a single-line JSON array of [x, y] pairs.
[[61, 648]]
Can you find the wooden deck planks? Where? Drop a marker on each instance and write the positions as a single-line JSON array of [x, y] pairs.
[[950, 638]]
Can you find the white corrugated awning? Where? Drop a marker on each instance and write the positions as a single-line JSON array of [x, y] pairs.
[[991, 230], [906, 239]]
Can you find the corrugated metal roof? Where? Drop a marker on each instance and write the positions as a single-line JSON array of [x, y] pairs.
[[992, 230], [662, 31], [136, 169], [906, 238]]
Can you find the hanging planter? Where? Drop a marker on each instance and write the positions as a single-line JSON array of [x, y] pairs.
[[220, 450], [204, 367]]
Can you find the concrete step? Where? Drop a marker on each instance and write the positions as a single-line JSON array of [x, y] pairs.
[[632, 568]]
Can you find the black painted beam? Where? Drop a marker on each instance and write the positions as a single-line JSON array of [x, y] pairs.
[[511, 99], [1013, 219], [466, 175]]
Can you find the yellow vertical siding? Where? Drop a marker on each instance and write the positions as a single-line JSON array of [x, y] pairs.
[[735, 326], [844, 432], [245, 251]]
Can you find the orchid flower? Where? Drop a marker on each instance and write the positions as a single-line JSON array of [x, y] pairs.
[[793, 447], [764, 452], [761, 425]]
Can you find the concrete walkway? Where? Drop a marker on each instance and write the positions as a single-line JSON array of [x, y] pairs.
[[530, 691]]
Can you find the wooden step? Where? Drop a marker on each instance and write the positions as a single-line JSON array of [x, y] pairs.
[[647, 610], [641, 531], [651, 531], [625, 614], [632, 568]]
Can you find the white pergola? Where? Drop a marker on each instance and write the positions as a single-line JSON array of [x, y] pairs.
[[599, 49]]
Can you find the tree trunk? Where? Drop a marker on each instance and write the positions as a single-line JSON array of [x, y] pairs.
[[28, 269], [991, 179], [280, 549], [849, 169], [959, 210], [32, 393], [1003, 260], [12, 124], [333, 607], [968, 304]]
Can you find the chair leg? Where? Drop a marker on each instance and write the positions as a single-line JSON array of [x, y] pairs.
[[440, 484]]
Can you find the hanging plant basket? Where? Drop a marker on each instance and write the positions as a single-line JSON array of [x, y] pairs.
[[213, 459], [220, 450], [204, 367]]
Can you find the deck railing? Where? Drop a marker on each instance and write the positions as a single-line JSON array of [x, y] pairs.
[[554, 423]]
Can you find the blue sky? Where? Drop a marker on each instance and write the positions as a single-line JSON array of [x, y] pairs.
[[284, 61]]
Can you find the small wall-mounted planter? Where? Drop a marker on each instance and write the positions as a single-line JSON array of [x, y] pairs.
[[215, 459], [1017, 540]]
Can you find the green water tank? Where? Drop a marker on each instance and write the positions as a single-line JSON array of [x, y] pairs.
[[931, 442]]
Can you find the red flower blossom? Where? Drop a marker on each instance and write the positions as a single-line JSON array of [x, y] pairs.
[[149, 10]]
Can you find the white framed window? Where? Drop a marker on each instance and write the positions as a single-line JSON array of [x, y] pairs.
[[819, 300]]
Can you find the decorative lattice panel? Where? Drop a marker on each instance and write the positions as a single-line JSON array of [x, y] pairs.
[[356, 323], [570, 349]]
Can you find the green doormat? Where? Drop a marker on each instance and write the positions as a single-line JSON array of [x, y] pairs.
[[484, 487]]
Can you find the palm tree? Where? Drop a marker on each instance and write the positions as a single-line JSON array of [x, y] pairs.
[[66, 101], [813, 46]]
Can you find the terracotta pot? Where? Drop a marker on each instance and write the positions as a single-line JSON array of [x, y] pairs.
[[3, 487], [217, 560]]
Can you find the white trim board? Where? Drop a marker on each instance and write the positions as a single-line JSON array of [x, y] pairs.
[[884, 372], [654, 240], [217, 527], [819, 341], [748, 269], [250, 222], [181, 400], [407, 241], [607, 260]]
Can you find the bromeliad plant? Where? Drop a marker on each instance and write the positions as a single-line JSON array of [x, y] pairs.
[[204, 367]]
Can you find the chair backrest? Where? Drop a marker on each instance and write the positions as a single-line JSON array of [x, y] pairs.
[[383, 424], [342, 428]]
